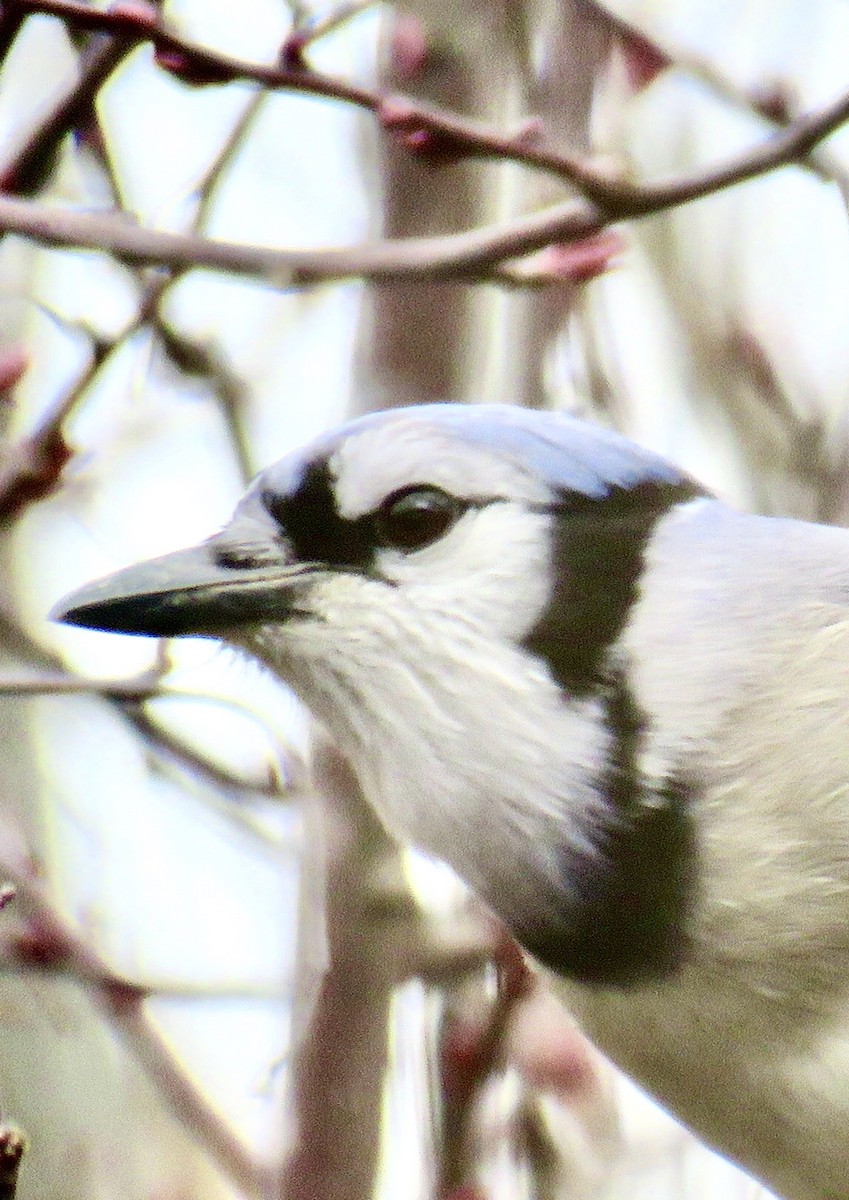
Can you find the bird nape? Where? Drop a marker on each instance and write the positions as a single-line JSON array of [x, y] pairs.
[[612, 703]]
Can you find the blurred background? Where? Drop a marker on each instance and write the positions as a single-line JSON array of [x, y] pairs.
[[218, 976]]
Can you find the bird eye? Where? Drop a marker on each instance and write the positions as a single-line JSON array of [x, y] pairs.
[[412, 519]]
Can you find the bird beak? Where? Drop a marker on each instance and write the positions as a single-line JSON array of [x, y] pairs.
[[188, 592]]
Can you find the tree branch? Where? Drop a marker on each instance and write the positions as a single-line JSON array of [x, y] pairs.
[[474, 255], [122, 1004], [28, 166], [774, 103], [430, 132]]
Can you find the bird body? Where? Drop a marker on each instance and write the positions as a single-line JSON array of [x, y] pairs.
[[613, 704]]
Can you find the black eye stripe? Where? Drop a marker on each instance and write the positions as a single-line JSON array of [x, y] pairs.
[[310, 525], [408, 519]]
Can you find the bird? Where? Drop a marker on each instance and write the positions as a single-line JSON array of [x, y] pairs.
[[612, 703]]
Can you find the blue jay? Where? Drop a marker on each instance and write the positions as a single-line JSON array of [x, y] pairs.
[[617, 707]]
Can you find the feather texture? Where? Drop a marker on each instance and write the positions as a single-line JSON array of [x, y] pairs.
[[614, 705]]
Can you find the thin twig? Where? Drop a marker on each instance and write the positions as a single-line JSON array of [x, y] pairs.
[[25, 171], [472, 255], [122, 1004], [312, 29], [15, 960], [32, 468], [63, 683], [207, 769], [452, 135], [130, 695], [127, 696], [771, 104], [465, 1073]]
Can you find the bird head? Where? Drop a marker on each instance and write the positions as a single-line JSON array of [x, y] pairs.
[[446, 587]]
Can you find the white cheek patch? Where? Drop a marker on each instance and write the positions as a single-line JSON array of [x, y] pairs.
[[491, 571], [370, 465]]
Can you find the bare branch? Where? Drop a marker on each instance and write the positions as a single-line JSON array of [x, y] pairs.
[[122, 1004], [474, 255], [460, 256], [62, 683], [432, 132], [203, 767], [469, 1061], [27, 168], [32, 468], [312, 30], [338, 1065], [775, 104], [281, 782]]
